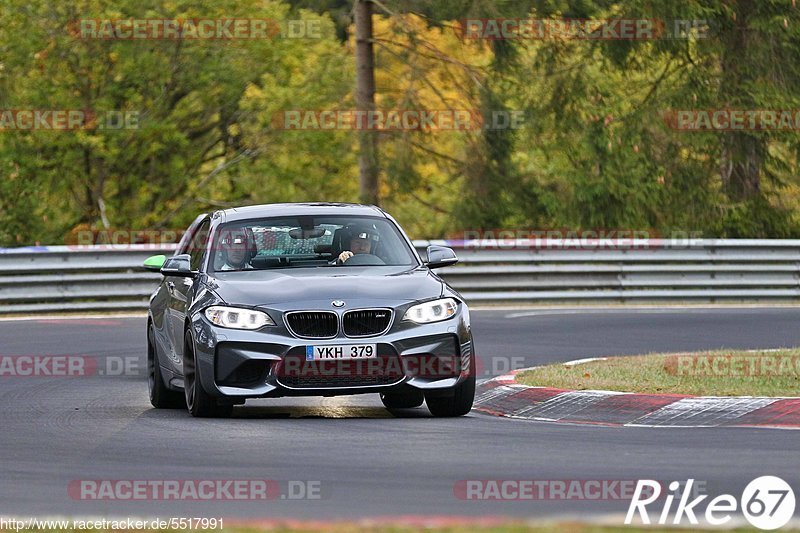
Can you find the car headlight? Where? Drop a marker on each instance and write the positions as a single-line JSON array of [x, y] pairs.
[[238, 318], [433, 311]]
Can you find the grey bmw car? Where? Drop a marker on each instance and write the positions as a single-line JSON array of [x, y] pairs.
[[312, 299]]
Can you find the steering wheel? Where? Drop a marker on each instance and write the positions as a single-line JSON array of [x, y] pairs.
[[364, 259]]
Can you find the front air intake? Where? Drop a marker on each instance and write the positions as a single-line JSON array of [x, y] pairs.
[[366, 322], [313, 324]]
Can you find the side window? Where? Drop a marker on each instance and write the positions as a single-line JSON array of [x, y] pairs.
[[197, 248], [183, 245]]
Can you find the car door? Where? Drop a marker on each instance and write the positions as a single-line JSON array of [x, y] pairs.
[[181, 290], [162, 316]]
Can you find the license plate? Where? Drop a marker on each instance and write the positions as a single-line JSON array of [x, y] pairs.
[[325, 352]]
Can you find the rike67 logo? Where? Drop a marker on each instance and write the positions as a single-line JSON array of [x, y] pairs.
[[767, 502]]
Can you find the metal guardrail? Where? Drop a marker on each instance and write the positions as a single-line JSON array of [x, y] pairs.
[[62, 278]]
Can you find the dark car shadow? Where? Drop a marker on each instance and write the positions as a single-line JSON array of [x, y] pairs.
[[329, 412], [261, 412]]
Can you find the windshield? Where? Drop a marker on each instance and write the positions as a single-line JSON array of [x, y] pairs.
[[302, 242]]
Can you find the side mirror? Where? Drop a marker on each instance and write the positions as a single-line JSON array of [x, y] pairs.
[[154, 263], [440, 256], [178, 266]]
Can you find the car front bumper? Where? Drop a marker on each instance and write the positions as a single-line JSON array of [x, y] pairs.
[[240, 364]]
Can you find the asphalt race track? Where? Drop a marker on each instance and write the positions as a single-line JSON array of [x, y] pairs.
[[366, 461]]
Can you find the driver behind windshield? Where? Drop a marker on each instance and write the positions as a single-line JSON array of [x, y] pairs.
[[362, 241], [235, 247]]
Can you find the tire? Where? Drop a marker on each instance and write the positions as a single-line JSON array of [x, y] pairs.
[[161, 397], [402, 400], [457, 404], [199, 403]]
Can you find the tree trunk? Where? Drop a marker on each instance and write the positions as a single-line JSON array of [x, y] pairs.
[[365, 101], [742, 153]]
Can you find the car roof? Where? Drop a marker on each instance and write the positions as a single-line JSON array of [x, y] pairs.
[[297, 209]]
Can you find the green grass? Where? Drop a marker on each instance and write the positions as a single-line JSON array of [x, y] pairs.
[[751, 374]]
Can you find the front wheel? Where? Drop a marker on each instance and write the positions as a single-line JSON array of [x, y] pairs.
[[457, 404], [198, 402], [161, 397]]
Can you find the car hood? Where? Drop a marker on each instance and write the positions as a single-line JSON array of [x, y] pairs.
[[299, 287]]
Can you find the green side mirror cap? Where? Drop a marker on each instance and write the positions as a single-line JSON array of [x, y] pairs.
[[155, 262]]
